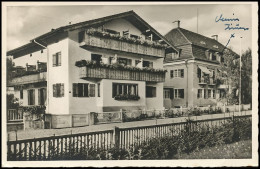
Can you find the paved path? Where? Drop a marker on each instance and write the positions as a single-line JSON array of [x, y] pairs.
[[29, 134]]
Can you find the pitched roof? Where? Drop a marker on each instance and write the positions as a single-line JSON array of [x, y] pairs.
[[130, 15], [180, 36]]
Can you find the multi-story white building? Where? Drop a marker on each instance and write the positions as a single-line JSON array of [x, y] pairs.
[[101, 65]]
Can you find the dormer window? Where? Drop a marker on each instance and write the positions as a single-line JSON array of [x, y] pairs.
[[215, 46], [202, 42]]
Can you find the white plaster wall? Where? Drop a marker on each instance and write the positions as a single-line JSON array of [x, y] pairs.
[[121, 25], [78, 105], [59, 74], [155, 102], [31, 60]]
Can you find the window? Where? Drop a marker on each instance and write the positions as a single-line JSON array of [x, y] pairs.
[[150, 91], [179, 93], [96, 58], [147, 64], [98, 89], [41, 96], [199, 93], [21, 94], [214, 94], [31, 97], [58, 90], [41, 51], [209, 93], [198, 72], [213, 57], [178, 73], [171, 74], [80, 90], [125, 61], [123, 89], [166, 93], [56, 59]]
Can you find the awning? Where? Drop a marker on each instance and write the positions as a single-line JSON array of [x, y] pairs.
[[204, 69]]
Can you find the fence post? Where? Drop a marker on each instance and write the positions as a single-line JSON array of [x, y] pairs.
[[116, 137], [121, 115], [91, 118]]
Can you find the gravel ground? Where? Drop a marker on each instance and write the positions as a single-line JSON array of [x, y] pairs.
[[30, 134]]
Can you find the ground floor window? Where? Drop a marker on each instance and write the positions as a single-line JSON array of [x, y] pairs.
[[58, 90], [31, 97], [209, 93], [150, 91], [179, 93], [83, 90], [124, 89], [167, 93], [199, 93], [41, 96]]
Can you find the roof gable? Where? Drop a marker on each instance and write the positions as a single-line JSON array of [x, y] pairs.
[[131, 16]]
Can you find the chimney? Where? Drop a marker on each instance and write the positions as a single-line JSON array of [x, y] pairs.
[[215, 37], [178, 22]]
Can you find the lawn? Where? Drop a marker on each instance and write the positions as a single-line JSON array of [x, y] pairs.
[[237, 150]]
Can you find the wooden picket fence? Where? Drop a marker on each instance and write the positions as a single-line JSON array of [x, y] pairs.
[[47, 147]]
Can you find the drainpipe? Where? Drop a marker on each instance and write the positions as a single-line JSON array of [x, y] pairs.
[[187, 92], [47, 72]]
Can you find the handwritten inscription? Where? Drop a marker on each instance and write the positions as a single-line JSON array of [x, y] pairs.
[[229, 22], [221, 18]]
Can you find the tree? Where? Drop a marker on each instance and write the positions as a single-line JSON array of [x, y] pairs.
[[230, 73], [246, 77], [9, 69], [231, 68]]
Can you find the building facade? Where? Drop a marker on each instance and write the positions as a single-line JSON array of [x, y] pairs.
[[192, 76], [101, 65]]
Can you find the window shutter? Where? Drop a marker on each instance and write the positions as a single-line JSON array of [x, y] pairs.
[[59, 58], [92, 90], [181, 93], [44, 96], [182, 73], [54, 60], [75, 89], [33, 97], [39, 96], [54, 90], [171, 93], [61, 90]]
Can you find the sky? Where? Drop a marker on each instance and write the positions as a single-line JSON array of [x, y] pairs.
[[27, 22]]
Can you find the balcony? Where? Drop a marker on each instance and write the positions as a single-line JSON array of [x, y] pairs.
[[123, 44], [108, 73], [26, 79]]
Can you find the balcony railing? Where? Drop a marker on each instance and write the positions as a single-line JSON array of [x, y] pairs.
[[34, 78], [106, 73], [113, 44]]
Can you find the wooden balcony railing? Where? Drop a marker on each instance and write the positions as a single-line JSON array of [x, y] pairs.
[[34, 78], [113, 44], [106, 73]]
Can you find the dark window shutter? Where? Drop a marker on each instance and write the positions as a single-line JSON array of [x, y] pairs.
[[44, 95], [61, 90], [182, 73], [86, 90], [171, 93], [181, 91], [54, 90]]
